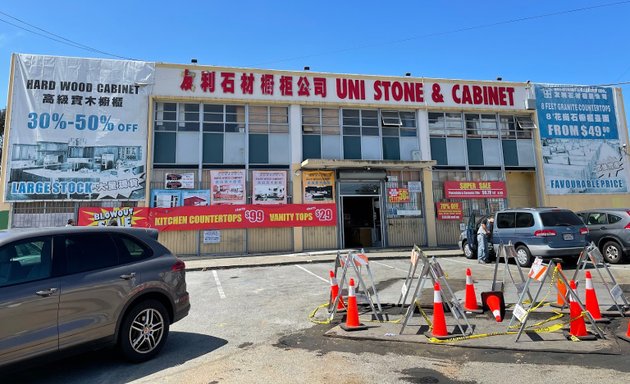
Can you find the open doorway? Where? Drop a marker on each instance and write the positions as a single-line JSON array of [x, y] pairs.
[[362, 221]]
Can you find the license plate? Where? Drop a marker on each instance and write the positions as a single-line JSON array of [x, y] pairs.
[[567, 236]]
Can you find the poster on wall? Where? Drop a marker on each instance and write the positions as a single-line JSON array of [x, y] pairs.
[[398, 195], [269, 187], [103, 216], [179, 180], [580, 143], [196, 198], [319, 186], [449, 210], [78, 128], [165, 198], [475, 189], [227, 186]]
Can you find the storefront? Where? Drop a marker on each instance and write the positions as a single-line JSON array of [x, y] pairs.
[[232, 160]]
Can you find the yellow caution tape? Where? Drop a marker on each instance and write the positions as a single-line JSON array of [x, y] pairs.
[[311, 316]]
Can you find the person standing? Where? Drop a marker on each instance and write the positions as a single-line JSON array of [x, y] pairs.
[[483, 233], [70, 223]]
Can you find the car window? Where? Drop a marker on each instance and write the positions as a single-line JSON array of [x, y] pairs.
[[89, 251], [583, 216], [560, 219], [25, 260], [132, 250], [524, 220], [506, 220], [612, 219], [597, 218]]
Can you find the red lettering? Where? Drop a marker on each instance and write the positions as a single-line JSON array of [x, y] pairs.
[[319, 84], [456, 98], [266, 84], [208, 80], [477, 97], [303, 86], [397, 91], [342, 88], [247, 83], [188, 78], [493, 97], [228, 82], [286, 85], [466, 98], [502, 96]]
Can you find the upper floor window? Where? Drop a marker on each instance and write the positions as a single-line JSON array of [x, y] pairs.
[[268, 119]]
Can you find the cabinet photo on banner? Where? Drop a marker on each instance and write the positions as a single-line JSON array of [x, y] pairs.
[[227, 186], [319, 186], [78, 129], [581, 150]]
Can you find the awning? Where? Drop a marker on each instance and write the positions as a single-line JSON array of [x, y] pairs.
[[398, 165]]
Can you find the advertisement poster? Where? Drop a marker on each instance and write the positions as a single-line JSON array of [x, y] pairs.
[[580, 142], [414, 186], [165, 198], [228, 186], [319, 186], [124, 217], [211, 237], [475, 189], [78, 129], [398, 195], [196, 198], [179, 180], [269, 187], [449, 210]]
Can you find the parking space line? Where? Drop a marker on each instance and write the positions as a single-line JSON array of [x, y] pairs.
[[219, 286], [467, 262], [311, 273], [388, 266]]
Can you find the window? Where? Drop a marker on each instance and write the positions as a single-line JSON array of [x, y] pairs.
[[506, 220], [87, 252], [596, 218], [25, 260], [360, 122], [223, 118], [560, 218], [390, 119], [524, 220], [131, 250], [266, 119], [612, 219]]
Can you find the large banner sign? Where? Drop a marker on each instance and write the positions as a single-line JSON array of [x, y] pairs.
[[580, 141], [78, 129], [475, 189], [215, 217]]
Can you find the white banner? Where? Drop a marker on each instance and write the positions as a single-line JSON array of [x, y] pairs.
[[269, 187], [227, 186], [78, 128]]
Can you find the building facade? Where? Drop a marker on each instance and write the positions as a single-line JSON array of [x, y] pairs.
[[379, 161]]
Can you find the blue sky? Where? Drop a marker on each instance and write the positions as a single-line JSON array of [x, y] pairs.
[[569, 42]]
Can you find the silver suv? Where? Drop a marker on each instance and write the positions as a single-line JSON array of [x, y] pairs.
[[610, 230], [539, 232], [64, 287]]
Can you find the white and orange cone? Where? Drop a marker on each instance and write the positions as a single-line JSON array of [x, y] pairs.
[[592, 305], [470, 304], [439, 320], [578, 326], [352, 316], [334, 292]]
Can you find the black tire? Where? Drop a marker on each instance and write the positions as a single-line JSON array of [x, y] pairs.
[[612, 252], [468, 252], [144, 331], [523, 256]]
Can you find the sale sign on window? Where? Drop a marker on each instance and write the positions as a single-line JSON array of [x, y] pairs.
[[449, 210], [398, 195]]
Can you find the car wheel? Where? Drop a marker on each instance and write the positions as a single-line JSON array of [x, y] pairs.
[[523, 256], [468, 252], [144, 331], [612, 252]]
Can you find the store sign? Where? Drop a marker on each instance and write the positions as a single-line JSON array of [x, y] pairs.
[[474, 189], [78, 129], [414, 186], [124, 217], [227, 186], [449, 210], [232, 83], [398, 195], [211, 237], [319, 186], [218, 217], [179, 180], [269, 187], [580, 142]]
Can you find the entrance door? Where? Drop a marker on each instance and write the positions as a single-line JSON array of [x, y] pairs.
[[362, 221]]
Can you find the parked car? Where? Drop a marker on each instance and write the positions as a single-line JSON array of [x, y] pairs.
[[609, 229], [540, 232], [88, 286], [469, 247]]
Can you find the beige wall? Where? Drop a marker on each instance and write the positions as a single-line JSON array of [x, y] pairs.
[[521, 187]]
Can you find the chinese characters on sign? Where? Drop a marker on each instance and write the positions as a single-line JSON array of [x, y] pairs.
[[449, 210], [580, 142], [227, 186], [319, 186], [269, 187], [474, 189]]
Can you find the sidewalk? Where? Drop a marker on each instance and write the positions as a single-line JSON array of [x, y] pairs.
[[201, 263]]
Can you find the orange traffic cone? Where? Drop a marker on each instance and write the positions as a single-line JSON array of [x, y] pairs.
[[592, 305], [561, 300], [439, 320], [578, 326], [493, 301], [334, 292], [471, 297], [625, 336], [352, 316]]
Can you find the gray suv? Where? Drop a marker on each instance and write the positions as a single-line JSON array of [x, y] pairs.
[[610, 230], [540, 232], [71, 286]]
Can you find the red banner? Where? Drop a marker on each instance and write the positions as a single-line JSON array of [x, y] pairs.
[[449, 210], [124, 216], [474, 189], [222, 216]]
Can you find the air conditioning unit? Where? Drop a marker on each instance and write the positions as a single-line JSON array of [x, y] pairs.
[[530, 104]]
